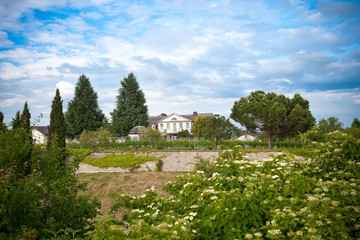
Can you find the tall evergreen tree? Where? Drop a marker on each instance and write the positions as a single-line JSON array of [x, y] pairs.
[[23, 165], [2, 124], [16, 122], [25, 119], [83, 111], [57, 128], [130, 108]]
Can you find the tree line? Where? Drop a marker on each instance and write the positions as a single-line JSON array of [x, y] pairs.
[[275, 115]]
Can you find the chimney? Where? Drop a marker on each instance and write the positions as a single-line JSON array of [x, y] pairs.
[[195, 113]]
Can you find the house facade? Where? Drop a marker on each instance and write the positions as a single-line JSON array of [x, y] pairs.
[[40, 134], [171, 125]]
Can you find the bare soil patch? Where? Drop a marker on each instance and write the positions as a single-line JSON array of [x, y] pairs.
[[107, 187]]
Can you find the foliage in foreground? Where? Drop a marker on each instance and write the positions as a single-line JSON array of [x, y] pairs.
[[44, 202], [276, 198]]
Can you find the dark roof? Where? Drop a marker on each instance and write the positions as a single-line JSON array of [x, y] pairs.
[[195, 115], [43, 129], [154, 120]]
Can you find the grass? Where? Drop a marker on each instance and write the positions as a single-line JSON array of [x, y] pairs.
[[107, 187]]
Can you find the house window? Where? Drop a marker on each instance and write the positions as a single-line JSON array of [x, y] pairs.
[[187, 125], [161, 125], [174, 119], [174, 127], [153, 127], [181, 126], [168, 125]]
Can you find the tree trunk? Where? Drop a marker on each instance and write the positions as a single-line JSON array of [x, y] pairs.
[[268, 138]]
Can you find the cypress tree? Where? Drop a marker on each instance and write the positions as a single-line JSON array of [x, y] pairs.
[[24, 163], [130, 108], [25, 119], [83, 112], [16, 121], [57, 128]]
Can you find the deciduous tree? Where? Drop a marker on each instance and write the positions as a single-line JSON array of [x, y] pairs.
[[197, 125], [329, 125], [215, 128], [355, 123], [83, 111], [152, 135], [130, 108]]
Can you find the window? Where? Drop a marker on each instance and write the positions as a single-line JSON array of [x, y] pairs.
[[174, 119], [153, 126], [161, 125], [181, 126], [174, 127], [187, 125], [168, 125]]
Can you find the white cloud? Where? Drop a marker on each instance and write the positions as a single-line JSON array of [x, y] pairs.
[[66, 89], [4, 41], [9, 71]]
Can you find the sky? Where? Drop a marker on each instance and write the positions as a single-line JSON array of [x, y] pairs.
[[200, 55]]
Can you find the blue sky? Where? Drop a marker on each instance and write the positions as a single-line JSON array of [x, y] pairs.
[[187, 55]]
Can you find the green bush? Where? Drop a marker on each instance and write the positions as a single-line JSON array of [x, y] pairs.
[[46, 200]]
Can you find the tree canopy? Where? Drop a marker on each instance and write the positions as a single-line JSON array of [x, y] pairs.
[[130, 107], [214, 128], [329, 125], [355, 123], [83, 111], [273, 114], [57, 127]]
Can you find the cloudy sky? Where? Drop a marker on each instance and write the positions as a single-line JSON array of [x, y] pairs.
[[199, 55]]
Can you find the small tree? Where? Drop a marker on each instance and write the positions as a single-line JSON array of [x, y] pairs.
[[130, 108], [93, 138], [83, 111], [184, 134], [57, 128], [355, 123], [216, 128], [152, 135], [197, 125], [329, 125]]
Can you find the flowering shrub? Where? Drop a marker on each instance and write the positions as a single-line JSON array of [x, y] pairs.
[[276, 198]]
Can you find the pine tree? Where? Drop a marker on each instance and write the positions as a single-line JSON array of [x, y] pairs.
[[83, 112], [57, 128], [130, 108], [16, 121]]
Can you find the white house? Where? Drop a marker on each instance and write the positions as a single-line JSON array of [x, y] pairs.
[[246, 137], [171, 125], [40, 134]]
